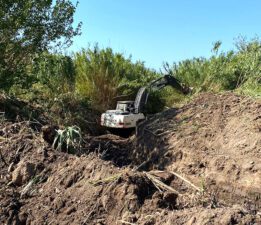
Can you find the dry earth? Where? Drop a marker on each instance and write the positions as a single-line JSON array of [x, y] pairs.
[[199, 164]]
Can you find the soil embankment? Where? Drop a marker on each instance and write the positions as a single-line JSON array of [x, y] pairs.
[[199, 164]]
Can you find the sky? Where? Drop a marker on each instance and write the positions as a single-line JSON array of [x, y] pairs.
[[157, 31]]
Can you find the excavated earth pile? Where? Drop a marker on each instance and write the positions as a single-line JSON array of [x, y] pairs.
[[199, 164], [215, 141]]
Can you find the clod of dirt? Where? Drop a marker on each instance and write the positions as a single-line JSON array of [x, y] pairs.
[[23, 172], [49, 132]]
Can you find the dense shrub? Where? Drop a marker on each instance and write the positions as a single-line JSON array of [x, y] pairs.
[[238, 70], [105, 77]]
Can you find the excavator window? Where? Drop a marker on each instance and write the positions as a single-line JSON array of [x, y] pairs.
[[125, 106]]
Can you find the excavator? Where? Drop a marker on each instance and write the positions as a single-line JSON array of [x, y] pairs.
[[128, 113]]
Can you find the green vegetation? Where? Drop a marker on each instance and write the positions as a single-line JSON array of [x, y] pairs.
[[96, 78], [69, 140], [104, 77], [27, 28], [238, 70]]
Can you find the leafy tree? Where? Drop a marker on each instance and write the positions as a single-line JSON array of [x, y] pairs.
[[27, 28], [55, 74]]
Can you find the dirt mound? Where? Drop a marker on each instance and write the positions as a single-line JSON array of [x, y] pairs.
[[184, 182], [215, 141], [14, 109]]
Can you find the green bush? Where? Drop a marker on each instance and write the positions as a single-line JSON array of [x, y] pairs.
[[105, 77], [234, 70]]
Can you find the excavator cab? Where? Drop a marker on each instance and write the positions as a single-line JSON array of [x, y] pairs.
[[125, 106]]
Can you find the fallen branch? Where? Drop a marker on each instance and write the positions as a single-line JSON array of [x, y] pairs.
[[184, 179], [187, 181], [160, 184]]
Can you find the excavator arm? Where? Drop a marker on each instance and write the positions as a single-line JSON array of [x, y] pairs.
[[143, 93]]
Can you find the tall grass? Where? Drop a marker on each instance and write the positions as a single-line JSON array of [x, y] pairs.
[[105, 77]]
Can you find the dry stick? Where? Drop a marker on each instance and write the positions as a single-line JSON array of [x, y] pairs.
[[160, 184], [27, 188], [155, 184], [2, 139], [184, 179], [146, 129], [141, 165], [165, 132]]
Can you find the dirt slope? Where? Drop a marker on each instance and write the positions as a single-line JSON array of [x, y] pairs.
[[214, 142]]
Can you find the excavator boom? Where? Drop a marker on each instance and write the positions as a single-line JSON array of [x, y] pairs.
[[143, 93]]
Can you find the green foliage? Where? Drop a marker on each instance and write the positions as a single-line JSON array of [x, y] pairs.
[[69, 140], [54, 81], [234, 70], [30, 27], [105, 77], [54, 74]]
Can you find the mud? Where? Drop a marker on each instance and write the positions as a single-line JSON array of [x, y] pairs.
[[199, 164]]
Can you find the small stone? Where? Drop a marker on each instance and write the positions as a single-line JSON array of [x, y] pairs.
[[57, 190]]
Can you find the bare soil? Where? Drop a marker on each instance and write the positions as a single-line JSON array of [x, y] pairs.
[[199, 164]]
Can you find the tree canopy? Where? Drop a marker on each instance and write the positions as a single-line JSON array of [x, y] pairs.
[[29, 27]]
